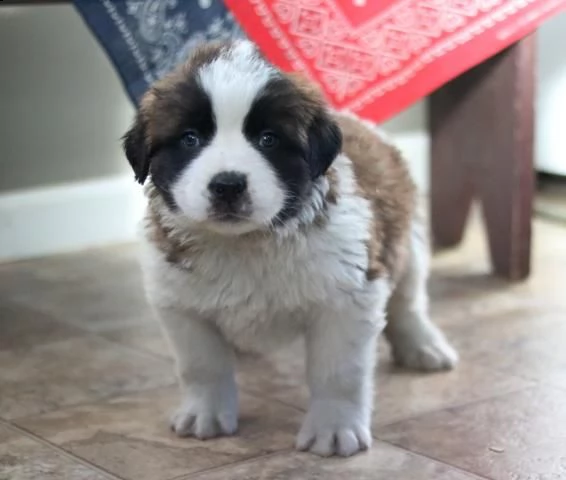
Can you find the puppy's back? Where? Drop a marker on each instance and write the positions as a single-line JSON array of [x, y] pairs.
[[383, 178]]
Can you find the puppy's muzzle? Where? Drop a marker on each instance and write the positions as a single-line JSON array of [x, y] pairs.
[[229, 195]]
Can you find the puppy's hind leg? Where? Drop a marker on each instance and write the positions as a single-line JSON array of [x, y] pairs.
[[415, 341]]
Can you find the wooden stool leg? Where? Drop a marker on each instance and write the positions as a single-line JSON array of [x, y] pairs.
[[451, 187], [482, 142]]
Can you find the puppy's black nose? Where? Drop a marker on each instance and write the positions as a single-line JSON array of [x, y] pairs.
[[228, 186]]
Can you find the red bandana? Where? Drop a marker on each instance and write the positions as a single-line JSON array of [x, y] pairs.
[[376, 57]]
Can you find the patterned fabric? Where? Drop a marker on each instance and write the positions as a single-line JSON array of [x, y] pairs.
[[376, 57], [146, 38], [373, 57]]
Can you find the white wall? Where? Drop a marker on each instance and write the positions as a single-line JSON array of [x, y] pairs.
[[551, 97], [63, 110]]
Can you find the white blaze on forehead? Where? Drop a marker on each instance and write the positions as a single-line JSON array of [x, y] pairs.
[[230, 151], [233, 80]]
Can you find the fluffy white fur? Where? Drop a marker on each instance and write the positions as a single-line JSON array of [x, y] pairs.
[[239, 70], [257, 292], [276, 289], [415, 340]]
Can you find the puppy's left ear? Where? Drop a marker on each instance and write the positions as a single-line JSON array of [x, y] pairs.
[[324, 144], [136, 148]]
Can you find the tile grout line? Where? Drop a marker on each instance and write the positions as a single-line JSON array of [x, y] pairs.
[[460, 405], [437, 461], [495, 397], [243, 461], [61, 451], [132, 393], [533, 384], [248, 460], [527, 378], [275, 399], [101, 335], [134, 350], [170, 361], [13, 424], [103, 399]]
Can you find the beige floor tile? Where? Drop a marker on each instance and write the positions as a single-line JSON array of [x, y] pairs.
[[381, 462], [399, 393], [146, 337], [460, 299], [23, 327], [403, 394], [22, 458], [511, 339], [68, 372], [119, 260], [97, 290], [525, 342], [520, 436], [130, 437]]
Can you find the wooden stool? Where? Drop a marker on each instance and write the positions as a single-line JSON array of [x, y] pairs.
[[481, 128]]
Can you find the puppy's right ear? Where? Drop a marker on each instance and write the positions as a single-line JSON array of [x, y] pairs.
[[136, 147]]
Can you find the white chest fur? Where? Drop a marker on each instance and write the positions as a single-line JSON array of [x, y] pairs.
[[251, 288]]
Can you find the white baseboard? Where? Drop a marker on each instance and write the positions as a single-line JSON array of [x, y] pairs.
[[73, 217], [68, 218]]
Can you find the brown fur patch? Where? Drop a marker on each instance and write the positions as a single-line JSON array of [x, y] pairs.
[[332, 195], [381, 174], [167, 103], [308, 90], [177, 250], [306, 100], [384, 180]]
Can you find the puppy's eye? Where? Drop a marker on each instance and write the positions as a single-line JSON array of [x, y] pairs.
[[191, 139], [268, 140]]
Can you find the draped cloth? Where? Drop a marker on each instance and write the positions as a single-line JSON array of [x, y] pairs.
[[145, 39], [373, 57]]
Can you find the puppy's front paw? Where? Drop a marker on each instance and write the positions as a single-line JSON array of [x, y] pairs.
[[207, 412], [425, 350], [334, 428]]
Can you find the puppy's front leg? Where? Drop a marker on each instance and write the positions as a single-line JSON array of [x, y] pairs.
[[206, 374], [340, 364]]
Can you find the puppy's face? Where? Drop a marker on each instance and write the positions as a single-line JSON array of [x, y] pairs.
[[230, 142]]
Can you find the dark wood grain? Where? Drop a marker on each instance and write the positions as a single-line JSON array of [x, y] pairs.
[[481, 126]]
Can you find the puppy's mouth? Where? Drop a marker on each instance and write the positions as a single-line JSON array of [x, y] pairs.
[[228, 217], [230, 212], [230, 222]]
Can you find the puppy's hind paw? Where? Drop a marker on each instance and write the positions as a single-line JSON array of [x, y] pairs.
[[429, 353]]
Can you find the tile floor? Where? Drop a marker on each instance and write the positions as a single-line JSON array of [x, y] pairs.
[[86, 387]]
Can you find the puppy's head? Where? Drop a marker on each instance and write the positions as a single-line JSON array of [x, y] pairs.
[[230, 142]]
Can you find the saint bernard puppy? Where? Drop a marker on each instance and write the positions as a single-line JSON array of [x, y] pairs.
[[271, 217]]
